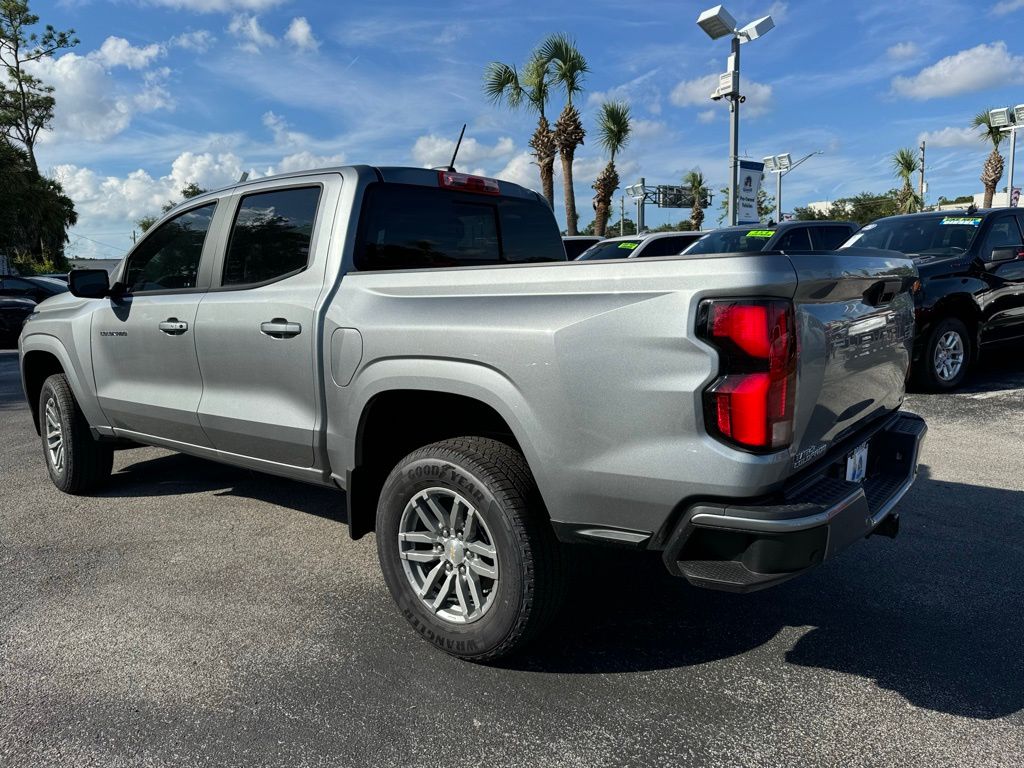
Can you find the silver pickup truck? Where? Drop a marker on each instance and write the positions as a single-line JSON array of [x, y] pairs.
[[417, 339]]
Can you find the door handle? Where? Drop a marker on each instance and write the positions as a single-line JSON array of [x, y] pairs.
[[279, 328], [172, 326]]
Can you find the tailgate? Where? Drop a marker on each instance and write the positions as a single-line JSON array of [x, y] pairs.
[[855, 323]]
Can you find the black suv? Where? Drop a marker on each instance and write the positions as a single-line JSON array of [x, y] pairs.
[[971, 265], [792, 236]]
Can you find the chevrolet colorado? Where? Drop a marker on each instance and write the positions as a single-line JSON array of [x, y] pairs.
[[418, 339]]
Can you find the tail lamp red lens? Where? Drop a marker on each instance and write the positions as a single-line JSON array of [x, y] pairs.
[[750, 404], [466, 183]]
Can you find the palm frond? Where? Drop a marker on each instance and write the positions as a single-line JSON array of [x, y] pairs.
[[501, 83], [569, 65], [905, 163], [613, 126], [989, 133]]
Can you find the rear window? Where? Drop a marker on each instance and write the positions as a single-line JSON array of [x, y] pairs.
[[732, 241], [927, 235], [574, 248], [610, 249], [412, 227], [665, 246]]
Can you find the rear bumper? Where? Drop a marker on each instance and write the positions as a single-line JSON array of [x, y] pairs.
[[741, 548]]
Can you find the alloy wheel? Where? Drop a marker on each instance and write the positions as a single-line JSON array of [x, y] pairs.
[[949, 356], [54, 435]]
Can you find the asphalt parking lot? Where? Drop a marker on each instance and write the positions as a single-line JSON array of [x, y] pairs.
[[196, 614]]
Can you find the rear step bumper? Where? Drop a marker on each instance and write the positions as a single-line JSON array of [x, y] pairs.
[[742, 548]]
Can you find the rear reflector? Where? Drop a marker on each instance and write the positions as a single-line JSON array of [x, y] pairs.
[[750, 404], [466, 183]]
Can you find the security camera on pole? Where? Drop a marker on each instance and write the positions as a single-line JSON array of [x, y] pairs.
[[718, 22]]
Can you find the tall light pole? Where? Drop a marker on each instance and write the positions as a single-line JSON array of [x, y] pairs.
[[1009, 121], [718, 22], [780, 165]]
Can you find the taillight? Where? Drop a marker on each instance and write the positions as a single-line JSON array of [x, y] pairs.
[[750, 404], [466, 183]]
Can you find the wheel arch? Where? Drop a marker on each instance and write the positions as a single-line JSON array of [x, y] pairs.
[[43, 355]]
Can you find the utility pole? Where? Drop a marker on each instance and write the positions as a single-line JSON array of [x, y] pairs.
[[921, 186], [640, 206], [622, 215]]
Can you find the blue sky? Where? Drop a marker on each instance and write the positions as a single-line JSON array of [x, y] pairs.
[[163, 92]]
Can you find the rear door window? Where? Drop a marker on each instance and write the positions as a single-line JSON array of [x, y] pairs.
[[663, 246], [830, 238], [168, 259], [1003, 233], [796, 239], [412, 227], [271, 236]]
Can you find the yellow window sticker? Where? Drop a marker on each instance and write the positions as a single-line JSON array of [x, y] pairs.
[[760, 233], [628, 246]]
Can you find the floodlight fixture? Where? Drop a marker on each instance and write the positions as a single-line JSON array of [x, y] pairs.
[[755, 29], [769, 163], [717, 22], [999, 118], [1018, 113], [784, 162]]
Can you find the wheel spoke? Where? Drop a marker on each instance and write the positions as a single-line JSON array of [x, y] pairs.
[[489, 571], [419, 537], [425, 518], [467, 529], [475, 591], [438, 512], [453, 519], [431, 580], [420, 557], [479, 548], [443, 593], [460, 594]]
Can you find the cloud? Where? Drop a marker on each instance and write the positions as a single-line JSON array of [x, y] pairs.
[[216, 6], [1006, 7], [520, 170], [200, 40], [118, 52], [951, 137], [697, 92], [707, 116], [433, 151], [984, 66], [648, 129], [300, 34], [253, 37], [903, 51], [778, 11], [93, 106]]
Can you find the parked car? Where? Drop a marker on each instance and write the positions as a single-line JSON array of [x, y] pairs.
[[13, 312], [971, 266], [789, 236], [640, 246], [418, 339], [577, 244], [62, 276], [36, 288]]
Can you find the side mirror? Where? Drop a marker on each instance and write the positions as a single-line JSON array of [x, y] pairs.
[[89, 283]]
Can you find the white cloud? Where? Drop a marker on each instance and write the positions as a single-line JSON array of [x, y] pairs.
[[217, 6], [253, 37], [300, 34], [118, 52], [306, 160], [1006, 6], [93, 106], [984, 66], [778, 11], [648, 129], [433, 151], [450, 34], [520, 170], [697, 92], [200, 40], [903, 51], [707, 116], [951, 137]]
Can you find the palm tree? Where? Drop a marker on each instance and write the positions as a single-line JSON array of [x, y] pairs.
[[502, 83], [568, 67], [613, 130], [695, 181], [905, 164], [992, 171]]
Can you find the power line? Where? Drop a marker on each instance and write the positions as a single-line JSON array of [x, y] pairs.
[[108, 245]]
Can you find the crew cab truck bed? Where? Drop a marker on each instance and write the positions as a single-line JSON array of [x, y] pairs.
[[417, 339]]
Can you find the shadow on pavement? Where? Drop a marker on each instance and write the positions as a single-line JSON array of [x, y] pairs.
[[934, 616], [177, 473]]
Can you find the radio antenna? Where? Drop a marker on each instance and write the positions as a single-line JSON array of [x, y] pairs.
[[451, 165]]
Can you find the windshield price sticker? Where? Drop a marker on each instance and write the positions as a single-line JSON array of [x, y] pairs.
[[628, 246], [969, 220], [760, 233]]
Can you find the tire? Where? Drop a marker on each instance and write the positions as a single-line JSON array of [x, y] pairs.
[[947, 356], [490, 618], [77, 463]]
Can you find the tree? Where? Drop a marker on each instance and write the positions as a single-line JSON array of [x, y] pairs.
[[612, 229], [568, 68], [189, 191], [862, 209], [34, 214], [992, 171], [905, 164], [695, 181], [26, 103], [503, 84], [613, 129]]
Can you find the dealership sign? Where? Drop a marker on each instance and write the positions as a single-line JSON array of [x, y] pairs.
[[746, 191]]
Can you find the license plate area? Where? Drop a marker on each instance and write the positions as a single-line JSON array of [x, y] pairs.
[[857, 464]]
